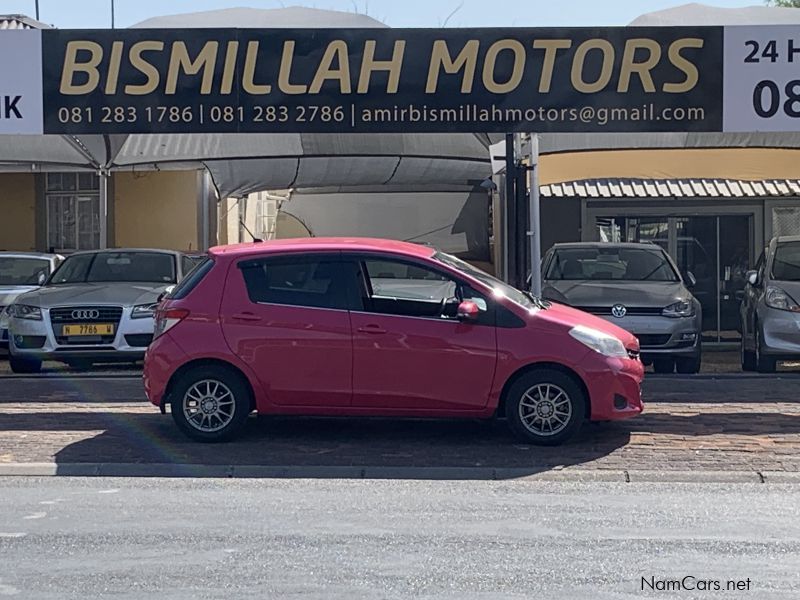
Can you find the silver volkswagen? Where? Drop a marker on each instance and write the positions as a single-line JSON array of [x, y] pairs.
[[96, 307], [21, 272], [635, 286], [770, 310]]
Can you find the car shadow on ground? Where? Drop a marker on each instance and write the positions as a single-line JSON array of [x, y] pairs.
[[329, 444], [326, 444]]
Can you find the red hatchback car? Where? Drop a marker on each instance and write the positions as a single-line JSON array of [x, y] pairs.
[[345, 326]]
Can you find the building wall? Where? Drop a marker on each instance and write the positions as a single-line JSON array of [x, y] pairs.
[[156, 209], [17, 211]]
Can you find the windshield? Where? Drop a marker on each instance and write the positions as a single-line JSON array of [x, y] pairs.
[[610, 264], [148, 267], [18, 270], [786, 266], [499, 287]]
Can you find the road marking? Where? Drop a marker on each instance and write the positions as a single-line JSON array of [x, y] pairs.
[[8, 590], [111, 491], [12, 535], [38, 515]]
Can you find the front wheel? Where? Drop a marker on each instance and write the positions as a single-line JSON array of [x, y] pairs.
[[545, 407], [24, 365], [663, 365], [764, 364], [210, 404], [688, 365]]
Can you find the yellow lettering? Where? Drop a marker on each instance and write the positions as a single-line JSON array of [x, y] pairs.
[[550, 47], [144, 67], [491, 61], [285, 72], [248, 83], [72, 66], [369, 64], [337, 50], [181, 61], [683, 64], [629, 66], [580, 58], [229, 69], [467, 59], [113, 67]]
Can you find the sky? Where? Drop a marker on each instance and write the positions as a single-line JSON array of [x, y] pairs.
[[395, 13]]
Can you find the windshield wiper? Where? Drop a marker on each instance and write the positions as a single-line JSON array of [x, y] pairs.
[[536, 300]]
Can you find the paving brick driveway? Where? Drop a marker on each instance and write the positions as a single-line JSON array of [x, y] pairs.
[[729, 424]]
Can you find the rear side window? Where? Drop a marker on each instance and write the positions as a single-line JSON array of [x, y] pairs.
[[296, 281], [189, 283]]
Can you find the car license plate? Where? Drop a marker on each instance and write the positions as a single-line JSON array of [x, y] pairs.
[[88, 329]]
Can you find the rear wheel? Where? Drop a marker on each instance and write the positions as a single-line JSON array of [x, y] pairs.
[[545, 407], [663, 365], [24, 365], [210, 403]]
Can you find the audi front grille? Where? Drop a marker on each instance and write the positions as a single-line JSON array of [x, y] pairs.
[[82, 315]]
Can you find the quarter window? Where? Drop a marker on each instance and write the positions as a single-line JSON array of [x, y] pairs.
[[302, 281]]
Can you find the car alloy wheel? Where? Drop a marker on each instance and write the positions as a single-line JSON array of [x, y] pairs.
[[545, 409], [545, 406], [209, 405]]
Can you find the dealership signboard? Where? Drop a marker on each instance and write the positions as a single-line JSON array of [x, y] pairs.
[[628, 79]]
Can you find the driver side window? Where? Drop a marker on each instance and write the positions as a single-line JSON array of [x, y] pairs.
[[406, 289]]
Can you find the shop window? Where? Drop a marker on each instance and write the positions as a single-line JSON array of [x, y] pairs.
[[73, 211], [786, 220]]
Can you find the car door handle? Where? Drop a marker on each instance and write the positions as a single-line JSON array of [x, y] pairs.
[[371, 329], [245, 317]]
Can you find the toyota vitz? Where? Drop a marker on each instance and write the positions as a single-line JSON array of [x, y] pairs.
[[360, 327]]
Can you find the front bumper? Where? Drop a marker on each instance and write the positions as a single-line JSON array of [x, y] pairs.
[[780, 331], [615, 388], [37, 340], [662, 336]]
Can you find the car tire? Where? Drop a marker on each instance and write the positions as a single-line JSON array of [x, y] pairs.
[[550, 392], [227, 403], [748, 358], [664, 365], [764, 364], [688, 365], [24, 365]]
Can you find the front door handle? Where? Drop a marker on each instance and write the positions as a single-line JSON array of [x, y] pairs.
[[246, 316], [371, 329]]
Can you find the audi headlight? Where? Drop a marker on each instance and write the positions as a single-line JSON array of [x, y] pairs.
[[682, 308], [605, 344], [775, 297], [25, 311], [144, 311]]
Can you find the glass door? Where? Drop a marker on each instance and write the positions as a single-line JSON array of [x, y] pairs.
[[717, 250]]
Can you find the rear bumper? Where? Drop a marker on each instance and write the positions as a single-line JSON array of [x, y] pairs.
[[162, 359]]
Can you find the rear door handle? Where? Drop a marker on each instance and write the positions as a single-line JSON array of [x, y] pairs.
[[245, 317], [371, 329]]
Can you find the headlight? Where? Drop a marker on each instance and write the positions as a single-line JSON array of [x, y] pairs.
[[605, 344], [144, 311], [682, 308], [777, 298], [25, 311]]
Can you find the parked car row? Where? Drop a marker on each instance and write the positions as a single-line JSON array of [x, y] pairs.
[[95, 306]]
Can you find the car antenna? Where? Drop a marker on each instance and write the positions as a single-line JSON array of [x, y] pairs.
[[255, 239]]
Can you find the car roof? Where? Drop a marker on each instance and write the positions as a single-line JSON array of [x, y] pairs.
[[100, 251], [321, 244], [14, 254], [640, 245], [782, 239]]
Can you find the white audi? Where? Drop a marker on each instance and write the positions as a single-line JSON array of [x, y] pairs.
[[96, 307]]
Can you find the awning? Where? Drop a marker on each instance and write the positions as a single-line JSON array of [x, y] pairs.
[[672, 188]]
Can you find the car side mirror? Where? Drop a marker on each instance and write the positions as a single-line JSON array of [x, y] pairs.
[[691, 280], [167, 290], [468, 310], [41, 278], [752, 277]]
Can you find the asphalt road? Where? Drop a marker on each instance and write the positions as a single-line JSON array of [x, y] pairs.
[[66, 538]]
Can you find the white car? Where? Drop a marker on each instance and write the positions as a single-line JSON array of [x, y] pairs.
[[21, 272], [96, 307]]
